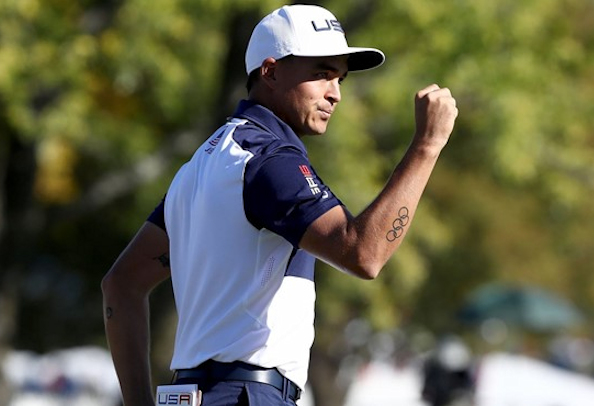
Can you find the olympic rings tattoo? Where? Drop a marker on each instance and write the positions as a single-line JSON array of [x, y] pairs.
[[398, 225]]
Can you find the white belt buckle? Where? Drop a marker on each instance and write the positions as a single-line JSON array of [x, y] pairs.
[[179, 395]]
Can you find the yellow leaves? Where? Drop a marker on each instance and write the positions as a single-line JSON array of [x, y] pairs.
[[68, 117], [11, 57], [26, 9], [425, 13], [111, 43], [568, 50], [524, 23], [83, 47], [55, 178], [518, 137], [182, 29], [410, 268], [42, 53]]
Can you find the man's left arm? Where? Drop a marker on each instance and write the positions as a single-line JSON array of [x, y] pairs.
[[126, 288]]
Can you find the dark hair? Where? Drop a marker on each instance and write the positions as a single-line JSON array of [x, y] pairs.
[[255, 75], [252, 79]]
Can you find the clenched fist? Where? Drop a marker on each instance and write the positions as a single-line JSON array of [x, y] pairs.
[[435, 114]]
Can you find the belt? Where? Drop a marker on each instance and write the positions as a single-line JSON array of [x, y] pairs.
[[214, 371]]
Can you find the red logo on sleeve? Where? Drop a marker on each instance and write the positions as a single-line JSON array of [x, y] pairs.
[[305, 170], [313, 186]]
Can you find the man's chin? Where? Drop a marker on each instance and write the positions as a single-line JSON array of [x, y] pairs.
[[319, 130], [314, 134]]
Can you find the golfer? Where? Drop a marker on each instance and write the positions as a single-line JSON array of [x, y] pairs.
[[244, 220]]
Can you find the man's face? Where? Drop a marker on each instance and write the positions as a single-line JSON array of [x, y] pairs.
[[308, 90]]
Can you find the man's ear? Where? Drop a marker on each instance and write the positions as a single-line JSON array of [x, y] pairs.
[[268, 71]]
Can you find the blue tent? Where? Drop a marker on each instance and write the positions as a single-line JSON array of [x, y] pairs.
[[528, 307]]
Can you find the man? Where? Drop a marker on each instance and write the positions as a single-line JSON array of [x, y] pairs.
[[244, 219]]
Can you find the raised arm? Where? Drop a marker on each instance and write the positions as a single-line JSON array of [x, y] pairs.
[[363, 244], [126, 288]]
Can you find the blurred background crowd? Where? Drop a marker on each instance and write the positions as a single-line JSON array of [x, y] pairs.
[[102, 100]]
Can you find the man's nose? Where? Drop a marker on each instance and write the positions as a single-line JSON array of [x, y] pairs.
[[333, 92]]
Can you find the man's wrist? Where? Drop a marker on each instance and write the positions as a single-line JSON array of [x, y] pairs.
[[424, 150]]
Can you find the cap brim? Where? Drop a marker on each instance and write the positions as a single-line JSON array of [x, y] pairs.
[[365, 58], [358, 58]]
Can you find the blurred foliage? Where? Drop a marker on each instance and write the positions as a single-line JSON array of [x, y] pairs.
[[112, 96]]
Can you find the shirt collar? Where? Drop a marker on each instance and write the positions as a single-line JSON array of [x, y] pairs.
[[267, 120]]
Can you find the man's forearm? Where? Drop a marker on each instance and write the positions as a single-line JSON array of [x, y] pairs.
[[127, 331], [380, 229], [385, 223], [126, 288]]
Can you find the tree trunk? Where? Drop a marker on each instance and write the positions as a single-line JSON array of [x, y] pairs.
[[323, 372], [19, 225]]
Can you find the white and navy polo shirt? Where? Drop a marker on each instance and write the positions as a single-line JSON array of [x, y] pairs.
[[235, 214]]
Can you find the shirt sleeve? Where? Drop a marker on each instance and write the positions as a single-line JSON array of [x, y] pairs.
[[283, 194], [157, 217]]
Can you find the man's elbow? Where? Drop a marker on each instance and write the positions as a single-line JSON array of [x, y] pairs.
[[109, 283], [115, 281], [368, 272], [117, 290], [365, 268]]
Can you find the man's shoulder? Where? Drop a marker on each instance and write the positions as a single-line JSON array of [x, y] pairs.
[[261, 141], [263, 126]]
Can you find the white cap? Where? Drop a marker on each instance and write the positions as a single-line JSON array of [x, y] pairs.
[[305, 30]]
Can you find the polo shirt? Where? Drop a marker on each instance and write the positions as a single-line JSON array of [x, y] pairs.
[[235, 214]]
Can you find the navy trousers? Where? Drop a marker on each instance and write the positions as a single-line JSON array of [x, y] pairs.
[[235, 393]]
